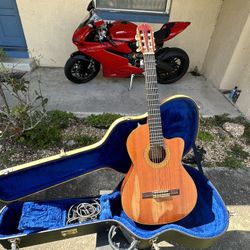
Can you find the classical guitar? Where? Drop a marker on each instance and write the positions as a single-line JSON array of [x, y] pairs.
[[157, 189]]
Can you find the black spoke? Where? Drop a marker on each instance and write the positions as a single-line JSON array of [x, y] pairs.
[[176, 68]]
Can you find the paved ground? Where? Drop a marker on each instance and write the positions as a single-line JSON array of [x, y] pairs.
[[112, 95]]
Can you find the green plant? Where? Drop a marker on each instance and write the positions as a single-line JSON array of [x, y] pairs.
[[5, 157], [235, 157], [101, 121], [22, 109], [246, 134], [60, 119], [85, 140], [42, 136], [231, 162], [195, 71], [2, 54], [208, 164], [205, 136], [49, 131], [238, 152]]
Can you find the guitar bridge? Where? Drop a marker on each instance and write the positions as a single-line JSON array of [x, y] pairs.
[[161, 194]]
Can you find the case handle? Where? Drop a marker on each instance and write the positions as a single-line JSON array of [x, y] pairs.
[[113, 245]]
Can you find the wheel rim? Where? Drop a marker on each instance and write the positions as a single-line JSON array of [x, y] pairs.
[[83, 70], [176, 64]]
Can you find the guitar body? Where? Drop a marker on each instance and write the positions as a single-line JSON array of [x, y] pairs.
[[156, 193]]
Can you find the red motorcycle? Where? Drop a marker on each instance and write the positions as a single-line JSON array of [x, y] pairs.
[[113, 45]]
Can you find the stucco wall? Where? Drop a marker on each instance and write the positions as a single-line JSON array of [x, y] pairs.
[[49, 25], [196, 38], [223, 46], [241, 65]]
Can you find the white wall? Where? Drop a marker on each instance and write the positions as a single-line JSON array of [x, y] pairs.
[[224, 42], [241, 65], [196, 38], [49, 24]]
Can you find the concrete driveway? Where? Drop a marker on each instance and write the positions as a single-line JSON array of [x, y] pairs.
[[112, 95]]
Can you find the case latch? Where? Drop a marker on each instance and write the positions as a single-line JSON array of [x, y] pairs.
[[69, 232], [14, 243]]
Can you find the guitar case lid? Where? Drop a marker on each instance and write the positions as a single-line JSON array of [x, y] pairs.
[[180, 118]]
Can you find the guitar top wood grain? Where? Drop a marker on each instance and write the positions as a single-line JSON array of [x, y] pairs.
[[145, 177]]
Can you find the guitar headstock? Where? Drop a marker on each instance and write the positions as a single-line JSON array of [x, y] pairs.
[[145, 39]]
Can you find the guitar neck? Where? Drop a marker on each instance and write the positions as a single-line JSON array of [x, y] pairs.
[[153, 101]]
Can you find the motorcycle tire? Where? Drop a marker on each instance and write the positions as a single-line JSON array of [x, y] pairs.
[[178, 61], [81, 70]]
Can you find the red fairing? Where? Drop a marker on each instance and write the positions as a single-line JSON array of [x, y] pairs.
[[177, 27], [80, 35], [113, 65], [123, 31]]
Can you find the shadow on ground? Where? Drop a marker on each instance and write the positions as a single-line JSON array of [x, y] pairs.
[[232, 240]]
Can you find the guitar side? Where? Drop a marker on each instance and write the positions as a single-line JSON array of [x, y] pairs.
[[146, 178]]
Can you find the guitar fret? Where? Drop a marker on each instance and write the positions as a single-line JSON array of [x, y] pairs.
[[155, 132], [154, 82], [159, 142], [155, 110], [155, 124], [150, 68]]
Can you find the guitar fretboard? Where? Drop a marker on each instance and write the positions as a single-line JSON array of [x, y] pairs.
[[153, 102]]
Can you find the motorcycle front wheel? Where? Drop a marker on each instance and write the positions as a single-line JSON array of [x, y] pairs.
[[172, 65], [81, 70]]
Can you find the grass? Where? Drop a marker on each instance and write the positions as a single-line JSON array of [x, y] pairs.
[[205, 136], [246, 134], [5, 157], [102, 121], [231, 162], [238, 152], [49, 132], [235, 157], [215, 121]]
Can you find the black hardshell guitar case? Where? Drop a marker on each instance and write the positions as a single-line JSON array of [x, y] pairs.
[[200, 229]]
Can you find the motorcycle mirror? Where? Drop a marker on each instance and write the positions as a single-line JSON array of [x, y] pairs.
[[91, 6]]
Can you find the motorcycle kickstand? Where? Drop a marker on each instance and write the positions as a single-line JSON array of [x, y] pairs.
[[131, 82], [132, 79]]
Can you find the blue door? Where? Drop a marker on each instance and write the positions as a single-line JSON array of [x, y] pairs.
[[11, 33]]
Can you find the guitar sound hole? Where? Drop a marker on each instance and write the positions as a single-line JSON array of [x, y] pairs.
[[157, 154]]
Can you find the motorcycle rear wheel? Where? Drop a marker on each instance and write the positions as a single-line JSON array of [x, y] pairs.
[[178, 61], [79, 70]]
